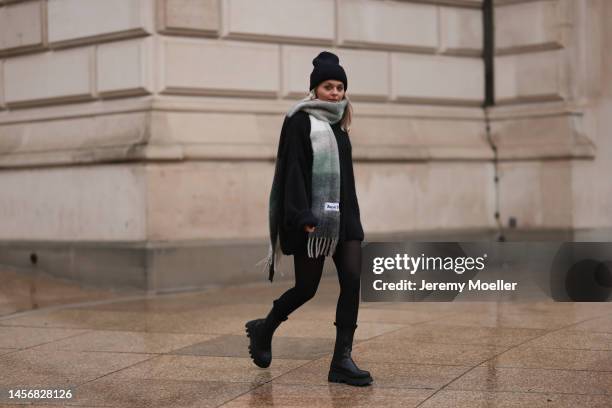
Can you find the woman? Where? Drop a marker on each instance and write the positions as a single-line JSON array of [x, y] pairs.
[[314, 213]]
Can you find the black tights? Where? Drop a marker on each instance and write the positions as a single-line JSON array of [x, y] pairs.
[[347, 259]]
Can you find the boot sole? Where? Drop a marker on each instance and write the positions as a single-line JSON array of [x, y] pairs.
[[343, 378], [250, 333]]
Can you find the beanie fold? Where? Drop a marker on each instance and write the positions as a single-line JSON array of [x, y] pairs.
[[327, 66]]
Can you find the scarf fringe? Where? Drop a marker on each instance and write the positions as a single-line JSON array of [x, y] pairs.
[[272, 261], [317, 246], [267, 260]]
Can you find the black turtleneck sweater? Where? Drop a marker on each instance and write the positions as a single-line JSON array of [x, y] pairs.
[[295, 207]]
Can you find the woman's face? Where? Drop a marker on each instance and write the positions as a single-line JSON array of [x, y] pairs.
[[330, 90]]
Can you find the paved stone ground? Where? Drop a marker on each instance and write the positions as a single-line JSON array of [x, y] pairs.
[[190, 350], [25, 290]]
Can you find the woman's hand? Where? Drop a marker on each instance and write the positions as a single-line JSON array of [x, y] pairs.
[[309, 228]]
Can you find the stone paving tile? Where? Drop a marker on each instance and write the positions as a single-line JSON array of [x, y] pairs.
[[5, 350], [220, 319], [388, 375], [206, 368], [399, 313], [22, 291], [200, 301], [235, 309], [490, 378], [529, 357], [282, 347], [46, 403], [370, 315], [322, 329], [169, 303], [126, 342], [163, 393], [400, 350], [65, 404], [188, 322], [431, 307], [23, 337], [574, 339], [548, 321], [51, 406], [198, 324], [254, 293], [582, 310], [85, 319], [164, 304], [601, 324], [400, 316], [56, 369], [333, 395], [483, 399], [448, 334]]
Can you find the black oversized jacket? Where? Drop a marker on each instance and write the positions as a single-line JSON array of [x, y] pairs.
[[296, 150]]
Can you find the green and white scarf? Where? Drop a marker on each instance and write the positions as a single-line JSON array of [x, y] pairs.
[[325, 184]]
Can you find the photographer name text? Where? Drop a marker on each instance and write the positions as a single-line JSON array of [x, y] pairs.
[[471, 285]]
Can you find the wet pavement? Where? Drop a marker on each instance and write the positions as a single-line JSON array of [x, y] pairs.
[[190, 350], [22, 291]]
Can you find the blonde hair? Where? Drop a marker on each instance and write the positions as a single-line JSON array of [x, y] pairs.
[[347, 117]]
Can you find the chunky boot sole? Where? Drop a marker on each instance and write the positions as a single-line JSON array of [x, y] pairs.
[[337, 377], [262, 358]]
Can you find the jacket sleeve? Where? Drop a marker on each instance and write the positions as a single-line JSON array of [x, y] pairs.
[[297, 184]]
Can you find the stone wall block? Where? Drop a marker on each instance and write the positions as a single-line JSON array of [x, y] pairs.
[[51, 77], [529, 26], [473, 4], [73, 22], [22, 27], [2, 105], [543, 202], [388, 24], [546, 137], [461, 31], [437, 79], [7, 2], [132, 76], [103, 202], [311, 21], [189, 17], [530, 77], [219, 67]]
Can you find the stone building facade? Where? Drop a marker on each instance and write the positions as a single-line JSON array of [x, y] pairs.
[[137, 137]]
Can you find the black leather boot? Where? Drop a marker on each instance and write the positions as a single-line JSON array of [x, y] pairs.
[[343, 369], [259, 332]]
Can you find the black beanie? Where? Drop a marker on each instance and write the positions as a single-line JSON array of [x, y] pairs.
[[326, 66]]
